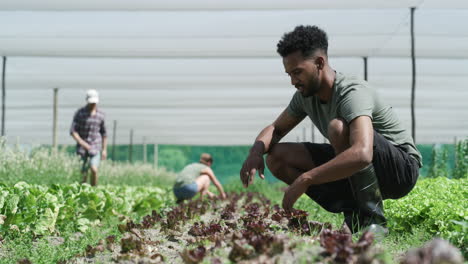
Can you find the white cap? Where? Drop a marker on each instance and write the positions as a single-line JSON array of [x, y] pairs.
[[92, 96]]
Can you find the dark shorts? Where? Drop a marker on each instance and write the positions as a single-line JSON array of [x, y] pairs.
[[396, 171], [186, 191]]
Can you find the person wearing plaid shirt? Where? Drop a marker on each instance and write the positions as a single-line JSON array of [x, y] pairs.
[[89, 131]]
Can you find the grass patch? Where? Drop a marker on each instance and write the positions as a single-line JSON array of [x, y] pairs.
[[47, 167], [41, 250]]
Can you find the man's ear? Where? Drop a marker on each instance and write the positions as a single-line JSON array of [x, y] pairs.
[[320, 62]]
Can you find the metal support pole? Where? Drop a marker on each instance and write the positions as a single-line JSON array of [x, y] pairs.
[[156, 155], [365, 68], [144, 150], [3, 95], [413, 85], [55, 118], [455, 143], [114, 131], [130, 149]]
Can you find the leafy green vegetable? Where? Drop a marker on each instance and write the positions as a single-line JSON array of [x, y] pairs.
[[45, 210], [438, 205]]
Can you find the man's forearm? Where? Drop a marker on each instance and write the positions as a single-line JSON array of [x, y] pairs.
[[352, 159], [258, 148], [104, 143], [215, 181], [265, 141], [79, 140], [219, 187], [342, 166]]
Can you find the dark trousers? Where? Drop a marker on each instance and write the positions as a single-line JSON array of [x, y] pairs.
[[396, 172]]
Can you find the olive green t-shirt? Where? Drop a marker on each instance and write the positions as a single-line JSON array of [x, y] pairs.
[[352, 98], [188, 174]]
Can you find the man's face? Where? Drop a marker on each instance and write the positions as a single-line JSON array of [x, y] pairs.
[[303, 72]]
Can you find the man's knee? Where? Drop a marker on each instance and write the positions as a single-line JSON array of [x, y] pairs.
[[275, 158], [338, 134], [203, 182]]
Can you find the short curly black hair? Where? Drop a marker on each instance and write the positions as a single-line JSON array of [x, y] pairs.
[[307, 39]]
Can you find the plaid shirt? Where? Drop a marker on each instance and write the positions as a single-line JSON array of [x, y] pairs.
[[91, 129]]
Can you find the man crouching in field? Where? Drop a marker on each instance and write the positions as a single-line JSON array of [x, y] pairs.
[[370, 157], [196, 178]]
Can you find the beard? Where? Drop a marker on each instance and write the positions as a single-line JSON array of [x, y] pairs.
[[311, 88]]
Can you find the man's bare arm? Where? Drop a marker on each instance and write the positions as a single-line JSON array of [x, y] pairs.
[[104, 147], [356, 157], [353, 159], [273, 133], [210, 173], [80, 141], [264, 142]]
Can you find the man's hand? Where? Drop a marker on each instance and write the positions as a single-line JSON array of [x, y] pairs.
[[86, 146], [294, 191], [104, 155], [251, 165], [223, 195]]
